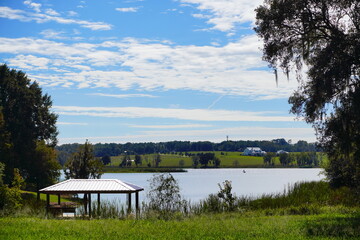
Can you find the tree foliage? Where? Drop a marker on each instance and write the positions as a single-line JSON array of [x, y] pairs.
[[164, 195], [83, 165], [226, 196], [269, 159], [10, 197], [25, 121], [324, 36]]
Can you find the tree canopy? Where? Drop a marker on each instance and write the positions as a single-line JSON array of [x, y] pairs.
[[27, 128], [83, 165], [324, 36]]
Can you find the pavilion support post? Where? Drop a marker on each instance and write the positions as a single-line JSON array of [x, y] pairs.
[[89, 205], [85, 204], [129, 203], [137, 204], [47, 203], [59, 201], [98, 204]]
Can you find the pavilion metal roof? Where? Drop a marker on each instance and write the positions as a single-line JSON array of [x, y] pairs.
[[92, 186]]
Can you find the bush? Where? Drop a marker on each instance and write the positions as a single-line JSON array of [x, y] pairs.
[[10, 198], [164, 196]]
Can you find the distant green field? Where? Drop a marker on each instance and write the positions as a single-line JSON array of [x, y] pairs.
[[228, 160], [53, 198]]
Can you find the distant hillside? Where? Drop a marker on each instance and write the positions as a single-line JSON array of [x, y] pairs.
[[115, 149]]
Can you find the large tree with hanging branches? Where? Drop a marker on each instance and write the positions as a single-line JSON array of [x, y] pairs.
[[320, 40]]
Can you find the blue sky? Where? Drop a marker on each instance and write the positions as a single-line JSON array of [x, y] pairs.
[[149, 70]]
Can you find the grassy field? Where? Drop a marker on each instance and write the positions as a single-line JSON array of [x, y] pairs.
[[212, 226], [53, 198], [228, 160]]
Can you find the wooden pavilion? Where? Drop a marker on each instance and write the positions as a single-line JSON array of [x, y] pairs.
[[88, 187]]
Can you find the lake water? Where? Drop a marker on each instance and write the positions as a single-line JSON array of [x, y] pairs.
[[197, 184]]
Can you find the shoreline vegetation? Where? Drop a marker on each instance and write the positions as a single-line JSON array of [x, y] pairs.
[[303, 211]]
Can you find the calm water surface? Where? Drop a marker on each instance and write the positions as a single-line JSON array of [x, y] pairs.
[[197, 184]]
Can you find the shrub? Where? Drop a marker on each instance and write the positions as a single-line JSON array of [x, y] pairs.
[[164, 196]]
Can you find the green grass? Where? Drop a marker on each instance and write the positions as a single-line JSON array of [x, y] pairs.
[[53, 198], [212, 226], [228, 160]]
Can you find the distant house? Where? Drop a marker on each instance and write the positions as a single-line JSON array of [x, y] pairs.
[[281, 151], [253, 151]]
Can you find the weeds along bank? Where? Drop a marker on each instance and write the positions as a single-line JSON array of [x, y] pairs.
[[303, 211]]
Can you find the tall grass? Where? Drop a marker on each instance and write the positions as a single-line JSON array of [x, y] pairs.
[[304, 198], [299, 198]]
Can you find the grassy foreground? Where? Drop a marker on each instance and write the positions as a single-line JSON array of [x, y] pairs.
[[212, 226]]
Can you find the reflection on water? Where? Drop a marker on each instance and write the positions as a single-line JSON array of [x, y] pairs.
[[197, 184]]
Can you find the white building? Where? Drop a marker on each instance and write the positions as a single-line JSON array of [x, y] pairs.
[[253, 151], [281, 152]]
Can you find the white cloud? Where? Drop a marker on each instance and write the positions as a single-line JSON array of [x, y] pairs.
[[35, 6], [52, 12], [124, 95], [172, 126], [215, 135], [184, 114], [39, 17], [233, 69], [224, 14], [51, 34], [72, 13], [29, 62], [128, 9], [71, 123]]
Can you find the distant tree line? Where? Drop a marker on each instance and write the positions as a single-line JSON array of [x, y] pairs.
[[303, 159], [115, 149]]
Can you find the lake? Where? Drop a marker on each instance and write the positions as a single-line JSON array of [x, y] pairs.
[[197, 184]]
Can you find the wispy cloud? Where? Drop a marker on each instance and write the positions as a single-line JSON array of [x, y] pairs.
[[184, 114], [215, 135], [31, 4], [172, 126], [216, 101], [128, 9], [124, 95], [71, 123], [224, 15], [48, 15], [152, 65]]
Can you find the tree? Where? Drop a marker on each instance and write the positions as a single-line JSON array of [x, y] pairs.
[[164, 195], [25, 120], [10, 198], [46, 168], [284, 159], [216, 161], [157, 159], [324, 35], [83, 164], [125, 160], [138, 160], [195, 160], [106, 159], [226, 196], [269, 158]]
